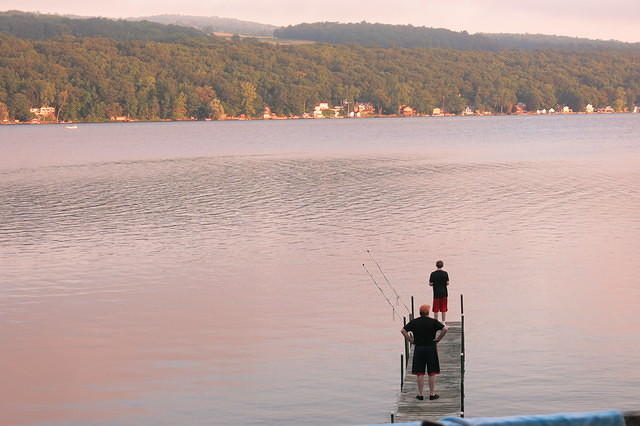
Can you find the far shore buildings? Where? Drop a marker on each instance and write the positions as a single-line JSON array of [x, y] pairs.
[[43, 113], [407, 111], [362, 110], [47, 113], [325, 110], [520, 108], [319, 109]]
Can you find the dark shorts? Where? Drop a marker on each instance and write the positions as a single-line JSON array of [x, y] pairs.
[[425, 359], [439, 304]]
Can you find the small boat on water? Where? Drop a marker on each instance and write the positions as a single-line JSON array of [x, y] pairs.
[[71, 127]]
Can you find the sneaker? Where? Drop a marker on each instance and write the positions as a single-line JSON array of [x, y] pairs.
[[432, 397], [419, 397]]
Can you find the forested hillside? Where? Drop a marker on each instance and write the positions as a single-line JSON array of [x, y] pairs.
[[44, 27], [384, 35], [541, 41], [98, 78]]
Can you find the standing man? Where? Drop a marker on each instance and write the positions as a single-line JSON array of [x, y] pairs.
[[425, 354], [439, 280]]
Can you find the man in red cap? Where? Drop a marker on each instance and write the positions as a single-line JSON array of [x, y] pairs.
[[421, 332]]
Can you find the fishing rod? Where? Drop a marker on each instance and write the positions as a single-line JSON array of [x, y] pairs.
[[398, 299], [381, 291]]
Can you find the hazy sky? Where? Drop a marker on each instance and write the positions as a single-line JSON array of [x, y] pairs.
[[610, 19]]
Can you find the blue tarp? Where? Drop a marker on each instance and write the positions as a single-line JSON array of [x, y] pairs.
[[592, 418], [589, 418]]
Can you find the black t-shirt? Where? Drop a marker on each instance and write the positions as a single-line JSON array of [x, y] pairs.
[[424, 330], [439, 278]]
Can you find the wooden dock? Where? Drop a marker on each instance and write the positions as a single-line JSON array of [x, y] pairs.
[[449, 385]]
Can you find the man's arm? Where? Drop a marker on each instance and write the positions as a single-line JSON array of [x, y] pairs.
[[407, 336], [442, 333]]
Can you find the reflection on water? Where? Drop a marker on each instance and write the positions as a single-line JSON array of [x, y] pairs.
[[177, 282]]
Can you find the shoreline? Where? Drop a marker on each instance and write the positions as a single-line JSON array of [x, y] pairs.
[[278, 118]]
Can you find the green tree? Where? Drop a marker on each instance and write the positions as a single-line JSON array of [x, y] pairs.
[[506, 100], [204, 96], [573, 98], [620, 102], [20, 107], [180, 107], [45, 93], [532, 98], [328, 113], [60, 103], [454, 103], [4, 112], [217, 110], [113, 110], [248, 98]]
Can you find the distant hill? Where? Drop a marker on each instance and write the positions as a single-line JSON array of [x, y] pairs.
[[541, 41], [173, 28], [33, 26], [384, 35], [212, 24]]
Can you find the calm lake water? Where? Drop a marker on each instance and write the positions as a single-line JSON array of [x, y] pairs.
[[211, 272]]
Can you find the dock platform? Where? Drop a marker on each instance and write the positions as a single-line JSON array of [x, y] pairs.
[[449, 385]]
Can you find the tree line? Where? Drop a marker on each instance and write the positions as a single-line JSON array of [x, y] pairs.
[[45, 27], [209, 24], [385, 35], [94, 79]]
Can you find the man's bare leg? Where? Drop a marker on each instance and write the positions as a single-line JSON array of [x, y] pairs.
[[432, 385], [444, 316], [420, 380]]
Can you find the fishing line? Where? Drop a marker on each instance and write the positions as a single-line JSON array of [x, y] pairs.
[[398, 299], [381, 291]]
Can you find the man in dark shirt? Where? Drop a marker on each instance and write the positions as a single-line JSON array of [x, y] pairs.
[[421, 332], [439, 280]]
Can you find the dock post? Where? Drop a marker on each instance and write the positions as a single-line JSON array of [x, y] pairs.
[[462, 355], [406, 344], [412, 312], [401, 372]]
